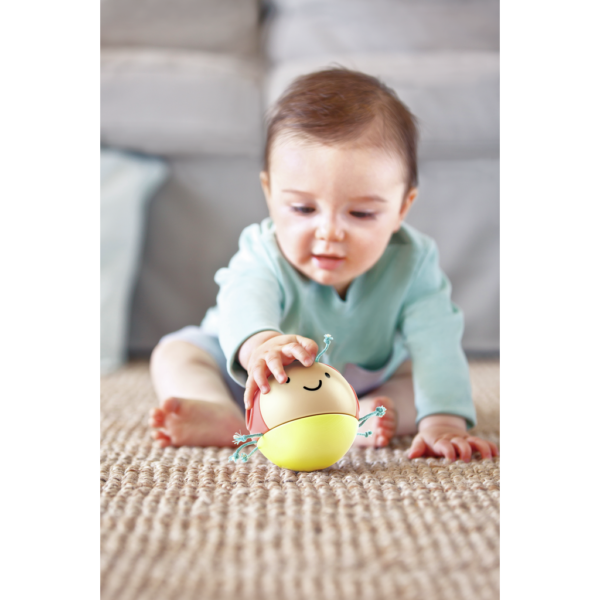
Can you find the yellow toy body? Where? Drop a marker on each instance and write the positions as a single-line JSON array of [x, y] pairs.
[[308, 423], [309, 443]]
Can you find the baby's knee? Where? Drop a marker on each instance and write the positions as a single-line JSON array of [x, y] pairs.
[[180, 353], [159, 357]]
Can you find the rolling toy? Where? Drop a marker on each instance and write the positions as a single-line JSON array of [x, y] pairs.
[[307, 423]]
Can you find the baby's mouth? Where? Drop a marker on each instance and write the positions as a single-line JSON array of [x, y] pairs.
[[327, 262]]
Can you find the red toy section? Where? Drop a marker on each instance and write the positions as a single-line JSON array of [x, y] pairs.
[[254, 420]]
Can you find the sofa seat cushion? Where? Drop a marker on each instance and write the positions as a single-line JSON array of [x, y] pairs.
[[173, 102], [455, 96]]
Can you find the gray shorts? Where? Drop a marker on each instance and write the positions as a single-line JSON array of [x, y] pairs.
[[196, 336]]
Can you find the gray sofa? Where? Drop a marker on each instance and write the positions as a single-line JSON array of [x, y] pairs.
[[189, 81]]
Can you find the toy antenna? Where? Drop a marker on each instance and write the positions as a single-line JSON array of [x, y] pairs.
[[328, 339]]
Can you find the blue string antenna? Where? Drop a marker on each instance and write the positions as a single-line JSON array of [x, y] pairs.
[[327, 339], [238, 439], [378, 412]]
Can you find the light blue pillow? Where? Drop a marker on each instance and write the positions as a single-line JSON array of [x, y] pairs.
[[127, 182]]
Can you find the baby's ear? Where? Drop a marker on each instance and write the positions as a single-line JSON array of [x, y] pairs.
[[407, 203], [266, 184]]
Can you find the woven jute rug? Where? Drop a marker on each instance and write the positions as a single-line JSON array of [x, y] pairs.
[[184, 523]]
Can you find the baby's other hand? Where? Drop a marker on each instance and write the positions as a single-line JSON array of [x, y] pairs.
[[270, 356], [446, 435]]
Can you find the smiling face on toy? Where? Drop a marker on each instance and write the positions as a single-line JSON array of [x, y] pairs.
[[309, 422], [314, 390]]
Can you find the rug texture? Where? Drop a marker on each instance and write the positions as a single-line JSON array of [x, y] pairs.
[[184, 523]]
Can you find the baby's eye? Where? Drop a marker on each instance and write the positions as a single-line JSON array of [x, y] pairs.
[[362, 215], [303, 210]]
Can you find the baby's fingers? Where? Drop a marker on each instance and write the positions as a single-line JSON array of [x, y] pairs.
[[296, 351], [260, 374], [309, 345], [485, 448], [276, 366], [444, 448], [464, 450], [250, 392], [417, 448]]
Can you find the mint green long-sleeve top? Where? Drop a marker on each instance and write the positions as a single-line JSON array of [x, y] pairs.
[[399, 309]]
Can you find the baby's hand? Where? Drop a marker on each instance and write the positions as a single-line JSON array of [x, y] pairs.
[[270, 356], [446, 435]]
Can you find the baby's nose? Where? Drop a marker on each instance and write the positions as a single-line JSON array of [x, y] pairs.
[[330, 229]]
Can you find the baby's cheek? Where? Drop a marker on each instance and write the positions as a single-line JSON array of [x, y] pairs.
[[292, 248]]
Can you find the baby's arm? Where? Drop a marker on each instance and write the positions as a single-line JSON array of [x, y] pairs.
[[266, 353], [446, 435]]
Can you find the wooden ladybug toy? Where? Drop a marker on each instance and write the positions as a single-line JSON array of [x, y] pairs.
[[307, 423]]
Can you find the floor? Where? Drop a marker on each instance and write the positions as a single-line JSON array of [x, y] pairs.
[[183, 523]]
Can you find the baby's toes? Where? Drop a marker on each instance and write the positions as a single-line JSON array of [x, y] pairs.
[[389, 419], [157, 418], [382, 440], [171, 405], [383, 433], [162, 438], [384, 427]]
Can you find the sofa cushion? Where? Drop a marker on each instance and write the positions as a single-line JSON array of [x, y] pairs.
[[176, 102], [126, 182], [455, 96], [304, 28], [229, 26], [194, 224]]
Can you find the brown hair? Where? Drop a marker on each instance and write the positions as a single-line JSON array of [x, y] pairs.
[[338, 105]]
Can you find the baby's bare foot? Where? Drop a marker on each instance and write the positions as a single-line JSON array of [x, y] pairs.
[[383, 428], [195, 423]]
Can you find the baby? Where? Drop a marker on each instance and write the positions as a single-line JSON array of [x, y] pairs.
[[335, 256]]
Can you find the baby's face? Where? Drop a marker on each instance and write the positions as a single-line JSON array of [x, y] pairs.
[[335, 207]]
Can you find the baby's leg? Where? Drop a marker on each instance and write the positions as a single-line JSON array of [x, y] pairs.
[[196, 408], [397, 395]]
